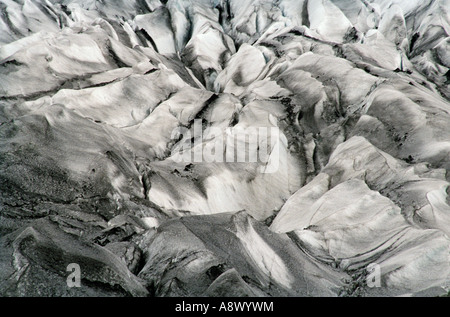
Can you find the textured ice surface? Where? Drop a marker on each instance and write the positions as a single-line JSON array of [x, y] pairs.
[[92, 94]]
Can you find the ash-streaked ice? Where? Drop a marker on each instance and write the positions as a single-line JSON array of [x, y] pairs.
[[224, 148]]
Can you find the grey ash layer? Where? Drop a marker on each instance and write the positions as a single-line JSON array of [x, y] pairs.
[[91, 91]]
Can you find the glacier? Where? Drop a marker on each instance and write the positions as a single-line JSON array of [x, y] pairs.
[[91, 173]]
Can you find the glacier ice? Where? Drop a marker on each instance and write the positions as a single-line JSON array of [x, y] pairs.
[[93, 169]]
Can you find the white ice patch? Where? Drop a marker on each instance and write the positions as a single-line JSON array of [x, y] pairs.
[[150, 222], [267, 260], [328, 21]]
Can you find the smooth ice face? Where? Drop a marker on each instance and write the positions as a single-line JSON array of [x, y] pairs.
[[225, 147]]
